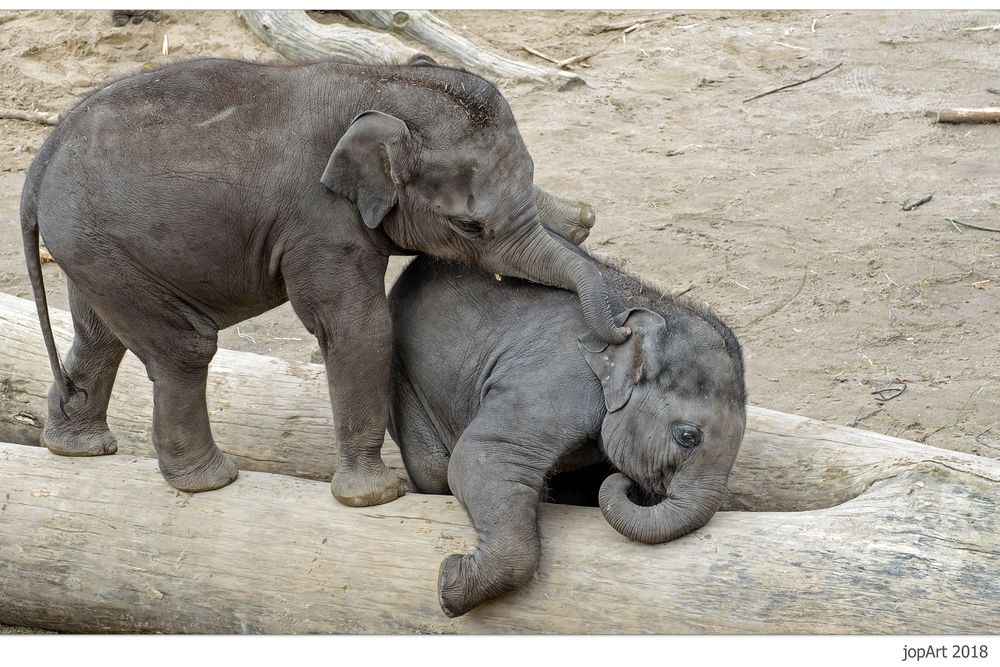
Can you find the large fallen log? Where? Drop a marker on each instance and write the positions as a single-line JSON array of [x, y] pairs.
[[104, 545], [428, 29], [274, 416], [300, 39]]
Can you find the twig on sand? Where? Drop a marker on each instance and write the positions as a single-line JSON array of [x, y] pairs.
[[911, 204], [955, 221], [44, 117], [965, 115], [985, 432], [536, 52], [576, 60], [925, 436], [995, 91], [565, 62], [983, 27], [774, 309], [861, 418], [629, 24], [889, 393], [790, 46], [792, 85], [245, 336]]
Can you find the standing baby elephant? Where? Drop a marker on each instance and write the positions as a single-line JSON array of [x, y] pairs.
[[499, 391], [184, 200]]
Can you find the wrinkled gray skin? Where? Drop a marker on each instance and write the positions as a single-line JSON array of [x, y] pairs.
[[187, 199], [501, 397]]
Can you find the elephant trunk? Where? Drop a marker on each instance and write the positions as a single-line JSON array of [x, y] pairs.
[[687, 505], [540, 258], [570, 220]]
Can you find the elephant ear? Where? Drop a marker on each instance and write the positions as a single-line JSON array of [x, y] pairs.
[[621, 367], [364, 166]]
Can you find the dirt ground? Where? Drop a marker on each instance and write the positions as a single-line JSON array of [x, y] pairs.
[[783, 213]]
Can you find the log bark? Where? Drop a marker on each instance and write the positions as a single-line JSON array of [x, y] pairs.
[[965, 115], [428, 29], [274, 416], [299, 38], [104, 545]]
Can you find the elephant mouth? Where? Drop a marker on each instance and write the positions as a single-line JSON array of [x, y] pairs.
[[644, 496]]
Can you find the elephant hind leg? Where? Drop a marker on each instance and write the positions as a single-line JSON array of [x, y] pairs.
[[175, 343], [424, 454], [80, 426], [188, 456]]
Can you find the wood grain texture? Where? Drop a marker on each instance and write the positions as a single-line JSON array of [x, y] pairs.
[[104, 545], [274, 416], [300, 39], [426, 28]]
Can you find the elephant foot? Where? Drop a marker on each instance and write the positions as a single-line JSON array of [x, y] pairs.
[[215, 472], [453, 586], [78, 442], [356, 488]]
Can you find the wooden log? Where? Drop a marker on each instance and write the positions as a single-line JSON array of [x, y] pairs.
[[299, 38], [428, 29], [274, 416], [104, 545], [965, 115]]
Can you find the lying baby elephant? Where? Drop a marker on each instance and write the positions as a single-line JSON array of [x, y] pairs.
[[497, 387]]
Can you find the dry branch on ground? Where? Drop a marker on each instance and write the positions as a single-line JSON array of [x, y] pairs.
[[297, 37], [965, 115], [43, 117]]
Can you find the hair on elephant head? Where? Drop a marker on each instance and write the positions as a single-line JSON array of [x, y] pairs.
[[676, 413], [447, 174]]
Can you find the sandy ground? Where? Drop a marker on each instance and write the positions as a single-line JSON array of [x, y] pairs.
[[783, 213]]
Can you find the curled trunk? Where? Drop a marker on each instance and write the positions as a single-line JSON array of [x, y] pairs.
[[685, 507]]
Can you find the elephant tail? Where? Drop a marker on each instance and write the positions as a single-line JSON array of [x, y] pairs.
[[30, 241]]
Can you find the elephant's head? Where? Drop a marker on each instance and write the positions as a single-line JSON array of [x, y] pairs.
[[455, 180], [676, 412]]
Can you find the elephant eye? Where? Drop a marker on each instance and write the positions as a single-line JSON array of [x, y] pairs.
[[687, 436], [469, 228]]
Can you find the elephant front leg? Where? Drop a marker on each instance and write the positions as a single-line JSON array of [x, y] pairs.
[[499, 480], [357, 357], [346, 309]]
